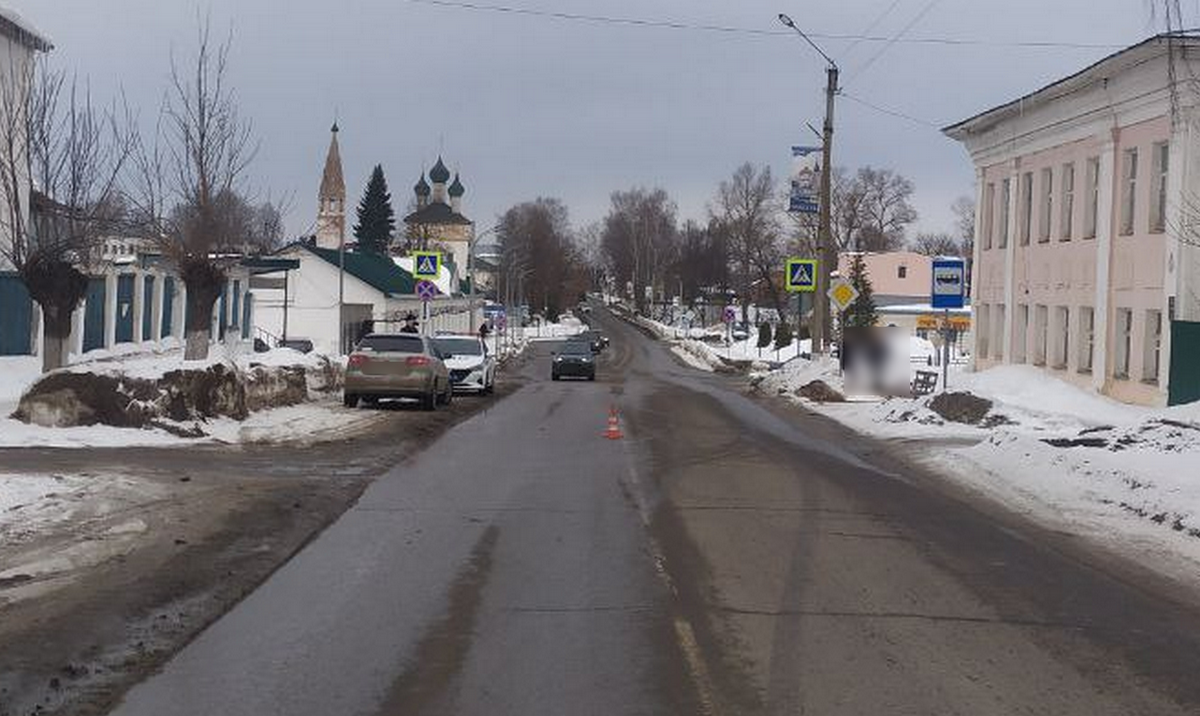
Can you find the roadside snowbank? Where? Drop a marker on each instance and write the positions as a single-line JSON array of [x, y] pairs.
[[1121, 475]]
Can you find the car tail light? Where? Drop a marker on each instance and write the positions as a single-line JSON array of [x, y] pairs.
[[417, 360], [357, 360]]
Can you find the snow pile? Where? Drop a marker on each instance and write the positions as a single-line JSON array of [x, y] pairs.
[[156, 399]]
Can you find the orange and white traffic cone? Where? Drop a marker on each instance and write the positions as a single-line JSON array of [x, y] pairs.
[[614, 425]]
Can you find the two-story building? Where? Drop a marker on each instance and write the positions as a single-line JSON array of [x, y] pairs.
[[1086, 226]]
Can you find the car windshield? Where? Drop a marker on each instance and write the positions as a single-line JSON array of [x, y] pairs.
[[392, 344], [577, 348], [460, 346]]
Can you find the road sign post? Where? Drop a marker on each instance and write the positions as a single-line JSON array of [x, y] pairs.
[[427, 264], [948, 291], [800, 277]]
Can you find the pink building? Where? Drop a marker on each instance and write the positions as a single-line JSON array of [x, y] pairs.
[[896, 276], [1081, 189]]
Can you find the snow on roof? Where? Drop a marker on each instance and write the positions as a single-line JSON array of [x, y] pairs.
[[23, 31], [921, 308]]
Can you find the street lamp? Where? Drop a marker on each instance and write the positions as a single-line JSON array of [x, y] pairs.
[[820, 329], [471, 271]]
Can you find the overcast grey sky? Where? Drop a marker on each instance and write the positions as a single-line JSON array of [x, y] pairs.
[[526, 105]]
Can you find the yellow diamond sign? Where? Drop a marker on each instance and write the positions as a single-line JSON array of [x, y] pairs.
[[842, 293]]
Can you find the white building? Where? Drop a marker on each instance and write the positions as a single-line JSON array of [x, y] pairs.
[[1086, 262], [378, 292]]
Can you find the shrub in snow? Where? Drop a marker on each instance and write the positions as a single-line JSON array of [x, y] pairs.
[[821, 392], [961, 407]]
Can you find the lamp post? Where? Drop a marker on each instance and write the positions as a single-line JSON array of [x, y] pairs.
[[820, 328], [471, 271]]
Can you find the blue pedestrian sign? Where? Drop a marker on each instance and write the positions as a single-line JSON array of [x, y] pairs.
[[801, 275], [949, 283], [427, 264]]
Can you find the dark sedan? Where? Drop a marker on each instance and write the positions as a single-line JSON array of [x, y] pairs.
[[575, 360]]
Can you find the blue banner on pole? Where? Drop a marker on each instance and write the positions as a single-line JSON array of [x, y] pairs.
[[806, 180]]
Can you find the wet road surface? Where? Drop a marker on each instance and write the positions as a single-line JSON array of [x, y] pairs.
[[724, 558]]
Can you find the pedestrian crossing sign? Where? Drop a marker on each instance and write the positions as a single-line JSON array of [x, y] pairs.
[[801, 275], [427, 264]]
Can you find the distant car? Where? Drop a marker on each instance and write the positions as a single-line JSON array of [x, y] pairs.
[[597, 341], [397, 365], [574, 360], [740, 332], [471, 366], [303, 345]]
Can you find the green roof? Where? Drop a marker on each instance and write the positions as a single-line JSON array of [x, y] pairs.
[[379, 272]]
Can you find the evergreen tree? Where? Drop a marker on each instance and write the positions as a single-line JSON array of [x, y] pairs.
[[764, 336], [862, 311], [376, 220], [783, 336]]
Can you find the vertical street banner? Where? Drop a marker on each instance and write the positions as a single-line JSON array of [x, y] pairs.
[[806, 180]]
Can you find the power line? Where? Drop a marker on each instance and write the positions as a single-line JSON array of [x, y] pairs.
[[892, 112], [759, 32], [874, 23], [895, 38]]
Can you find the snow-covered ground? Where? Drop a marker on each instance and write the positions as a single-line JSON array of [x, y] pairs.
[[1124, 476], [513, 342]]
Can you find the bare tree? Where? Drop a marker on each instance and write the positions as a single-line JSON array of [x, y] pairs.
[[536, 237], [964, 224], [747, 207], [60, 160], [937, 244], [640, 239], [189, 182], [885, 209]]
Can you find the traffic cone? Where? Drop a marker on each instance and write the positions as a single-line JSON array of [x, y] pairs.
[[614, 425]]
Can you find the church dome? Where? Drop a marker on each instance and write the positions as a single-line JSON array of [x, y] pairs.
[[439, 174], [422, 187], [457, 189]]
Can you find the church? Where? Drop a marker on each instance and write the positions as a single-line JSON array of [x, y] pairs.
[[438, 218]]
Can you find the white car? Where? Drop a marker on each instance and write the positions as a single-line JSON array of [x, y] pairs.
[[471, 366]]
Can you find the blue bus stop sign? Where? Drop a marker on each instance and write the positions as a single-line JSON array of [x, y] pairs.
[[949, 283]]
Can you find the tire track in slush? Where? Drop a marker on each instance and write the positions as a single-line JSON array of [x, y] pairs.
[[440, 654]]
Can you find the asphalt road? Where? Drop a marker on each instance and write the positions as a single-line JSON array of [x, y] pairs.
[[727, 557]]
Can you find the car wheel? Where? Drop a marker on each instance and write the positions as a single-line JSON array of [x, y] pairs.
[[429, 401], [448, 395], [592, 377], [554, 376], [350, 400]]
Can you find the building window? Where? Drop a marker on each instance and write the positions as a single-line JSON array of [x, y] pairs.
[[1005, 202], [1025, 219], [1124, 339], [1062, 335], [998, 329], [1046, 205], [1129, 169], [1158, 189], [1067, 205], [902, 272], [1152, 350], [1087, 338], [1020, 333], [981, 326], [1041, 317], [989, 209], [1091, 203]]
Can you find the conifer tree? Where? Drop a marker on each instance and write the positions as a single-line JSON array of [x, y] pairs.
[[376, 219], [862, 311]]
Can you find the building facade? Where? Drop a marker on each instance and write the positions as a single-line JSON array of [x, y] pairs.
[[1084, 190]]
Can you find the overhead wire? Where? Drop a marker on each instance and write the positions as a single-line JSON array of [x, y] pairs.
[[895, 38], [468, 5], [892, 112]]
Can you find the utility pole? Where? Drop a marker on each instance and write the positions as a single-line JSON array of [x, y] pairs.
[[826, 253], [825, 241]]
